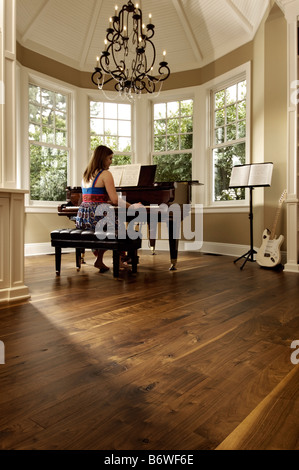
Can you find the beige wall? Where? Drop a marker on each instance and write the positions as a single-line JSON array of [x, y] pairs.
[[195, 77], [226, 228], [267, 53], [39, 226]]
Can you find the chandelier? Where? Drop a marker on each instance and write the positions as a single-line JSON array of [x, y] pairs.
[[129, 54]]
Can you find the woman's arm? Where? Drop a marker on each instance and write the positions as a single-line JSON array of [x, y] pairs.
[[110, 188], [108, 181]]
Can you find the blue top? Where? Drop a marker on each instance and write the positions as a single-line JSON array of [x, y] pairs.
[[95, 195], [92, 189]]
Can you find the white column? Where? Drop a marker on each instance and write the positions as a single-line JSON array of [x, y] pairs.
[[8, 82], [142, 129], [291, 11], [2, 88], [12, 246], [11, 199]]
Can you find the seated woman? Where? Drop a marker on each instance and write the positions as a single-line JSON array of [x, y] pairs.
[[97, 188]]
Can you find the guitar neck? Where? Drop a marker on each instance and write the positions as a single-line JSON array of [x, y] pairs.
[[273, 229]]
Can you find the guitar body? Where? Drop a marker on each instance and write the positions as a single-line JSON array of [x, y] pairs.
[[269, 254]]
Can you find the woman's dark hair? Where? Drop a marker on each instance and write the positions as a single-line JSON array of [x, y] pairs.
[[97, 162]]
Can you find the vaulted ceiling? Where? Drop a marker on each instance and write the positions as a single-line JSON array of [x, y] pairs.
[[193, 32]]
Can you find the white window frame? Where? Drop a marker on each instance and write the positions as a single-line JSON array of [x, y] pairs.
[[165, 97], [226, 80], [105, 99], [58, 87]]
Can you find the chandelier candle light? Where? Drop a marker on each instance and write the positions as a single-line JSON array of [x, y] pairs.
[[129, 54]]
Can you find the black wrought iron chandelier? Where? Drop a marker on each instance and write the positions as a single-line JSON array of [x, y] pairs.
[[129, 55]]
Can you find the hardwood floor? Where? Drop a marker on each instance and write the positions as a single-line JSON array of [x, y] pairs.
[[193, 359]]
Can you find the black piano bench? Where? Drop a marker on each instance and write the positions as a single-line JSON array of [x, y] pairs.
[[84, 239]]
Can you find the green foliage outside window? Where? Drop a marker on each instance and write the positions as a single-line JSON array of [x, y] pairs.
[[173, 140], [173, 167], [229, 129], [224, 159], [48, 144], [110, 125], [95, 141], [48, 173]]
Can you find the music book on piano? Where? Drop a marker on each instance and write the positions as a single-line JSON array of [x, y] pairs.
[[254, 174], [133, 175]]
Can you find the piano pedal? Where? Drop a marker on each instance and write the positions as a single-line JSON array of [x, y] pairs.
[[128, 260]]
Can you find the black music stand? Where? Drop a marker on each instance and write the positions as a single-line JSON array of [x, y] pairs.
[[251, 176]]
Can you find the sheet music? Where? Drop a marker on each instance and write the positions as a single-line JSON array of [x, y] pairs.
[[260, 174], [130, 175], [239, 176], [255, 174], [116, 171]]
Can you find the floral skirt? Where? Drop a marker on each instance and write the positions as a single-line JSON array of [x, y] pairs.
[[87, 217]]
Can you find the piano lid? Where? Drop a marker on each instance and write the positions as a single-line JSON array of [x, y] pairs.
[[147, 175]]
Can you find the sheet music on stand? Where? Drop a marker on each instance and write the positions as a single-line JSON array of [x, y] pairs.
[[125, 175], [251, 176]]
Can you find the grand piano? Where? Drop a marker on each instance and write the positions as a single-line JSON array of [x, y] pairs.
[[151, 194]]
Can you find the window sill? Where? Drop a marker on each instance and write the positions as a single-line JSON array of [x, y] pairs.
[[41, 209], [225, 209], [206, 209]]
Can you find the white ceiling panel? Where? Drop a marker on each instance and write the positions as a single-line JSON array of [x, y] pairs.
[[193, 32]]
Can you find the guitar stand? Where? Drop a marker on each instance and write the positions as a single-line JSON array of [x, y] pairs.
[[249, 256]]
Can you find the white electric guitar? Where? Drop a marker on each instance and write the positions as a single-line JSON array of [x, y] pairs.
[[269, 254]]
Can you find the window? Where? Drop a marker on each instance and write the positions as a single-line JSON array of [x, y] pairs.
[[110, 124], [228, 139], [173, 140], [48, 144]]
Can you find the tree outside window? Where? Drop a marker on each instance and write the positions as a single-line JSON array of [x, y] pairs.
[[110, 125], [48, 144], [229, 138], [173, 140]]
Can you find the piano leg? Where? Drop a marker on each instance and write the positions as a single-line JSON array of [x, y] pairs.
[[152, 235], [173, 235], [115, 257]]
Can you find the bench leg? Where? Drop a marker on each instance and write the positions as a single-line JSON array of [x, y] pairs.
[[57, 260], [115, 263], [134, 258], [78, 258]]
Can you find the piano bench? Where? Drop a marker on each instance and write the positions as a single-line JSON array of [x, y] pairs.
[[85, 239]]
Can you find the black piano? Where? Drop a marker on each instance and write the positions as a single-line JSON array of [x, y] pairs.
[[150, 194]]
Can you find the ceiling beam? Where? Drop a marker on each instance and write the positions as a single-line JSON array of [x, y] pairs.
[[187, 29], [34, 19], [91, 29], [242, 19]]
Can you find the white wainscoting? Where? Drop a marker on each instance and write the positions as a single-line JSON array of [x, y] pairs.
[[12, 246]]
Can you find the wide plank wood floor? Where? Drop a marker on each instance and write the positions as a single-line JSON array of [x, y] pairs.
[[193, 359]]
